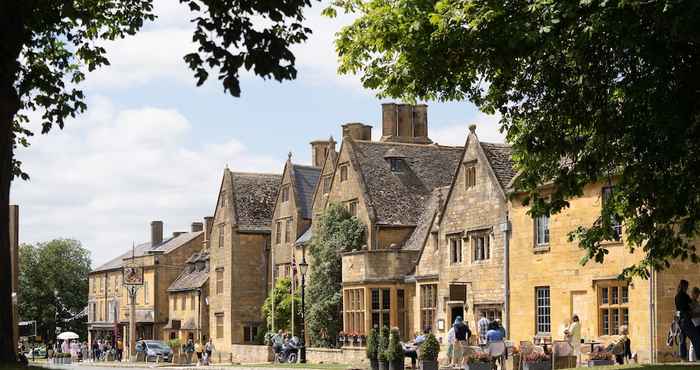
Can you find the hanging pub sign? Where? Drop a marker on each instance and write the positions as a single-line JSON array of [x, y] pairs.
[[132, 274]]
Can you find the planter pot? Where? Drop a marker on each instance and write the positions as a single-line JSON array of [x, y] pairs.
[[478, 366], [383, 365], [396, 365], [373, 364], [592, 363], [429, 365], [516, 361], [547, 365]]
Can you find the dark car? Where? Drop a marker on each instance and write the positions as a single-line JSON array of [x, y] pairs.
[[155, 348]]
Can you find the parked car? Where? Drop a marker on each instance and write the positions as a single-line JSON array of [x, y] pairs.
[[39, 352], [154, 349]]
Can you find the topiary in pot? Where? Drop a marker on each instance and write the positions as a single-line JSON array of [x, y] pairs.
[[394, 351], [429, 351], [372, 344], [382, 344]]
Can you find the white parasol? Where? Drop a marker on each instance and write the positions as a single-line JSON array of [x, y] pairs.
[[68, 335]]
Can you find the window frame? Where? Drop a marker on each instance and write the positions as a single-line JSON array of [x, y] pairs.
[[326, 184], [343, 172], [469, 175], [395, 164], [612, 314], [546, 238], [285, 193], [354, 310], [219, 324], [543, 312], [352, 206], [428, 305], [219, 281], [222, 235], [288, 237], [383, 310], [480, 253], [456, 252]]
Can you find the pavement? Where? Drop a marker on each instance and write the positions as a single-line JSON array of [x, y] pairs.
[[111, 365]]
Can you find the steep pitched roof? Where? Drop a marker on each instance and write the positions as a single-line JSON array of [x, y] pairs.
[[194, 275], [254, 199], [399, 198], [501, 161], [305, 180], [143, 249], [420, 234]]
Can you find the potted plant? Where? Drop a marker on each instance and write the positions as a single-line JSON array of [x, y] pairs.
[[175, 345], [600, 358], [394, 351], [429, 351], [478, 361], [516, 357], [372, 343], [537, 361], [382, 344]]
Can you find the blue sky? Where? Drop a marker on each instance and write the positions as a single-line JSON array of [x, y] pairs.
[[152, 146]]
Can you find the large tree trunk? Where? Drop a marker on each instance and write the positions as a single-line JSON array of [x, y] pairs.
[[11, 32]]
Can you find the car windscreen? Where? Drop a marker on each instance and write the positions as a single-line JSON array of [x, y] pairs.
[[156, 345]]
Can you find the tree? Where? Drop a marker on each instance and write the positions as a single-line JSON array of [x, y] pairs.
[[53, 285], [283, 298], [46, 47], [587, 91], [337, 231]]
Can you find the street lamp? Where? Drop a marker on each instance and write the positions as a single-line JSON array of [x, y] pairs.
[[303, 266]]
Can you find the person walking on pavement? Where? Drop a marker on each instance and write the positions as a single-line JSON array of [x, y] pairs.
[[462, 334], [209, 349], [685, 314], [483, 326]]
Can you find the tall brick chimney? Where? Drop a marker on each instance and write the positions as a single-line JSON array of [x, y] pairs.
[[196, 226], [357, 131], [156, 233], [320, 150], [208, 225], [405, 123]]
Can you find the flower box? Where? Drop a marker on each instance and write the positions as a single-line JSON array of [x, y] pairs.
[[544, 365]]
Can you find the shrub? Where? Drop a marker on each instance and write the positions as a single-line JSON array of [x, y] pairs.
[[394, 350], [478, 358], [372, 343], [174, 344], [382, 344], [430, 348]]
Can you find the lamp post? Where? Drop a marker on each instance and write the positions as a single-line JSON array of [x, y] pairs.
[[303, 266]]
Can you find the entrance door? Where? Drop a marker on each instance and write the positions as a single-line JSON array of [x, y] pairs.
[[579, 306], [456, 311]]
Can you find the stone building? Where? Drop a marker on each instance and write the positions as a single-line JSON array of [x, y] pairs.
[[461, 267], [549, 285], [188, 312], [387, 185], [239, 253], [162, 260]]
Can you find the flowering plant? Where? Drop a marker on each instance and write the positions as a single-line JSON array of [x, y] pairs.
[[601, 355], [537, 357], [481, 357]]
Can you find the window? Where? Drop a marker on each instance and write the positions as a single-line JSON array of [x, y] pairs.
[[219, 325], [543, 320], [541, 230], [112, 314], [344, 172], [249, 333], [288, 237], [614, 220], [94, 285], [458, 292], [92, 312], [455, 249], [107, 286], [285, 194], [221, 236], [381, 306], [172, 303], [401, 313], [480, 246], [428, 305], [192, 302], [175, 303], [491, 312], [395, 164], [222, 200], [469, 175], [613, 306], [354, 305], [183, 302], [352, 208], [278, 233], [145, 292], [326, 184], [434, 237], [220, 281]]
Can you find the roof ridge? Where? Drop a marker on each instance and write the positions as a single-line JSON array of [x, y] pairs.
[[497, 144], [255, 173], [306, 166], [409, 144]]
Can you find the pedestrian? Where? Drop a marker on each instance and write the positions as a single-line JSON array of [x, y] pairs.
[[209, 349], [483, 326], [120, 349], [573, 335], [621, 347], [695, 318], [95, 350], [199, 350], [189, 350], [685, 315], [462, 334], [450, 346]]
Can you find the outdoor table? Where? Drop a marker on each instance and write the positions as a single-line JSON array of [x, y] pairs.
[[592, 344]]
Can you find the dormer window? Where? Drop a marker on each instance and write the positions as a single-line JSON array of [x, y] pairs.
[[285, 194], [395, 164]]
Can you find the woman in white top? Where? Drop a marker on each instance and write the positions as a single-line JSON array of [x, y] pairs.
[[450, 345], [573, 335]]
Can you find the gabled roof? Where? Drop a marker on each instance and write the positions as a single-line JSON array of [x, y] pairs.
[[399, 198], [143, 249], [304, 181], [194, 275], [500, 157], [420, 234], [305, 237], [254, 196]]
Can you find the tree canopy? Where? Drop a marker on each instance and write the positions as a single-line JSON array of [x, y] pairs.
[[588, 91], [283, 298], [336, 232], [53, 284]]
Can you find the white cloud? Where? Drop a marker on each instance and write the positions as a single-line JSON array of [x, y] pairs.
[[102, 179], [456, 134]]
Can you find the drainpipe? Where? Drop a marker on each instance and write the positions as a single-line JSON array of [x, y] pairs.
[[652, 315], [505, 228]]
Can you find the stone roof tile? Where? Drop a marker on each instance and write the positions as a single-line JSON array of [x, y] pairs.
[[254, 199], [500, 159], [305, 180]]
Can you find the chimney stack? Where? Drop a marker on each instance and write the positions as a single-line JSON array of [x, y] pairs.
[[405, 123], [320, 150], [208, 225], [156, 233], [357, 131], [196, 226]]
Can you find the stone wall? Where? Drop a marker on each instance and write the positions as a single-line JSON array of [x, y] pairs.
[[375, 265]]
